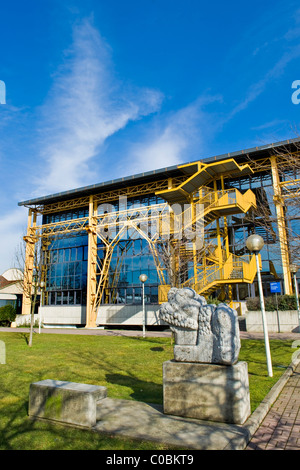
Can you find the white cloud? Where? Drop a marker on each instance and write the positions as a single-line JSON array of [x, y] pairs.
[[174, 138], [85, 107], [13, 226]]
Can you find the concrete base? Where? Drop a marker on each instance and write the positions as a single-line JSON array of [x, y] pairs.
[[283, 322], [147, 422], [66, 402], [207, 391]]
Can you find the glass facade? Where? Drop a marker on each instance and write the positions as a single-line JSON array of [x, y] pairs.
[[66, 261], [66, 278], [131, 258]]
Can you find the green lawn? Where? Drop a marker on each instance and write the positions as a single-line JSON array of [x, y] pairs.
[[130, 368]]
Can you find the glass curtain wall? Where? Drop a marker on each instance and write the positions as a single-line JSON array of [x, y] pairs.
[[66, 262]]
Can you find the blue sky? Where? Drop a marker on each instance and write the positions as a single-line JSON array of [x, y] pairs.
[[100, 89]]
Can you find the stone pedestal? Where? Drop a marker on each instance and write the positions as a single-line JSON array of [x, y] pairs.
[[207, 391], [66, 402]]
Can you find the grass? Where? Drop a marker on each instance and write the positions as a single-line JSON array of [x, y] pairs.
[[130, 368]]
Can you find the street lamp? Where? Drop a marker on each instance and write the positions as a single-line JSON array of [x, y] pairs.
[[294, 268], [254, 244], [143, 278], [42, 286]]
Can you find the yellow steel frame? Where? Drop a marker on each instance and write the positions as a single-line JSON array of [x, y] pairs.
[[106, 196], [279, 204], [30, 240]]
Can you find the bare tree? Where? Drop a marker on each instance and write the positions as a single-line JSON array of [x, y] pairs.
[[277, 214], [31, 278]]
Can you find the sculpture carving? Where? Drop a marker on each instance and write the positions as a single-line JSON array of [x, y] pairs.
[[203, 332]]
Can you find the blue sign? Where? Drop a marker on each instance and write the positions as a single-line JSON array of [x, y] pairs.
[[275, 287]]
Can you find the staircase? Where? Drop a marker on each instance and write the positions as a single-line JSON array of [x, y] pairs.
[[234, 270]]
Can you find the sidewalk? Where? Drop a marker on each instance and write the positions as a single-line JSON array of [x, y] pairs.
[[280, 429]]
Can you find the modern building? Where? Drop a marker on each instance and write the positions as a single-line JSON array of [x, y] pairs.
[[184, 225]]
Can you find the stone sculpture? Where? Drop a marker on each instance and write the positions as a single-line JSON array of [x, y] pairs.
[[203, 332]]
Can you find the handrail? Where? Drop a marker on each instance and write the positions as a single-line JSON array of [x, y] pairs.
[[233, 265], [214, 200]]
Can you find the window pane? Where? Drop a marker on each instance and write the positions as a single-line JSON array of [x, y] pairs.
[[121, 296], [71, 269], [77, 282], [129, 295], [59, 269], [71, 298], [65, 298], [137, 295], [73, 254], [78, 297], [80, 253], [52, 298], [67, 254], [58, 282]]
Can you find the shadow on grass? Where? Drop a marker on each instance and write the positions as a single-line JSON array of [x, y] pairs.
[[24, 336], [141, 389]]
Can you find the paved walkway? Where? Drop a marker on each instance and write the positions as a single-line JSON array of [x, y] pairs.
[[280, 429]]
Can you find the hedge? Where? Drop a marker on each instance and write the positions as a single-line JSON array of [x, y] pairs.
[[285, 302], [7, 315]]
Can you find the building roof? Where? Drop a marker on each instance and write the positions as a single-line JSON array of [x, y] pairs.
[[4, 282], [172, 171], [10, 283]]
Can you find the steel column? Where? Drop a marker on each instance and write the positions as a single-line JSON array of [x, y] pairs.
[[91, 265], [279, 204]]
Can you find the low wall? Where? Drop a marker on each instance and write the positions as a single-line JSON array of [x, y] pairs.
[[128, 315], [107, 315], [69, 315], [284, 322], [24, 320]]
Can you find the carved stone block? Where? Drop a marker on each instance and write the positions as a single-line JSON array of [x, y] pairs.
[[207, 391]]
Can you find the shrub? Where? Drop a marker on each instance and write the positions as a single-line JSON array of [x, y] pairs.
[[253, 303], [7, 315], [285, 302], [213, 300]]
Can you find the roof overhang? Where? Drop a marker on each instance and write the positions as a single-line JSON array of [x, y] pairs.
[[188, 169]]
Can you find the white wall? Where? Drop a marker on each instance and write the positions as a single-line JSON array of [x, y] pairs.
[[68, 315], [288, 321], [107, 315], [128, 315]]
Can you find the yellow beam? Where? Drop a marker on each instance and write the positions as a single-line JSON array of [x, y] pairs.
[[30, 240], [107, 196], [91, 265], [281, 223]]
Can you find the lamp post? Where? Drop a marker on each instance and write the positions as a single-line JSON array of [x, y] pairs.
[[42, 286], [143, 278], [254, 244], [294, 268]]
